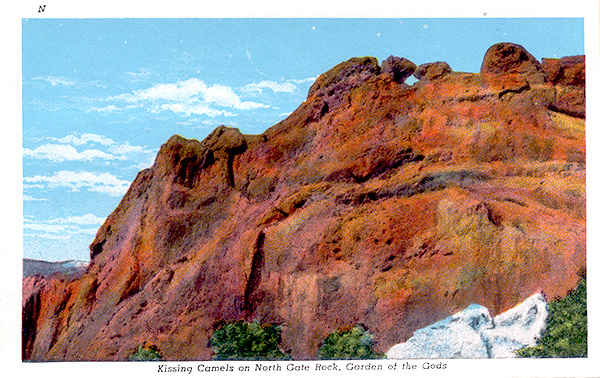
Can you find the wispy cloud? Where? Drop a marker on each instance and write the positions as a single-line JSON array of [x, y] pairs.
[[29, 198], [63, 228], [105, 149], [191, 96], [105, 109], [84, 138], [104, 183], [302, 81], [142, 75], [122, 149], [272, 85], [61, 152], [195, 108], [54, 80]]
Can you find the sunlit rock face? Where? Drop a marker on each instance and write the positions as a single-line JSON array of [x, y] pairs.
[[473, 333], [375, 202]]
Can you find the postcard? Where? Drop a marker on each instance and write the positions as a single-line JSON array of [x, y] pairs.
[[333, 188]]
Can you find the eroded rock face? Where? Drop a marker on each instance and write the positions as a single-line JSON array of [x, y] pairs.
[[511, 59], [473, 333], [569, 70], [568, 74], [374, 203], [432, 71], [330, 88], [399, 68]]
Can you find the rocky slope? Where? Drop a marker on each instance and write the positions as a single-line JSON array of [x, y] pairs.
[[375, 202]]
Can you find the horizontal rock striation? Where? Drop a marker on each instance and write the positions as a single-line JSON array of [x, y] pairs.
[[375, 203]]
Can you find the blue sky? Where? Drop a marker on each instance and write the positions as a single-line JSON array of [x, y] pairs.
[[101, 95]]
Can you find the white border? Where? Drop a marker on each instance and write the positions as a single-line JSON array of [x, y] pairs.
[[11, 166]]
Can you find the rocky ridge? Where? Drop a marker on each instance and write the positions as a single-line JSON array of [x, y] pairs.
[[375, 202]]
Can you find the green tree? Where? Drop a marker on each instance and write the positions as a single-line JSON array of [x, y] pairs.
[[247, 341], [146, 354], [566, 331], [356, 343]]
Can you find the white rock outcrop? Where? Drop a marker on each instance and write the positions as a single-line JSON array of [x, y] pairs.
[[473, 333]]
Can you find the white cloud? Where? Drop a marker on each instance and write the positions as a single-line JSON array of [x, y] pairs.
[[66, 152], [111, 190], [63, 228], [88, 219], [125, 149], [33, 186], [190, 108], [191, 96], [41, 226], [85, 138], [302, 81], [106, 109], [272, 85], [31, 199], [61, 152], [54, 80], [139, 76], [104, 183]]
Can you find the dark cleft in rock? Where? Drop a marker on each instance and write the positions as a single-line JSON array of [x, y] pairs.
[[186, 158], [399, 68], [504, 59], [432, 71]]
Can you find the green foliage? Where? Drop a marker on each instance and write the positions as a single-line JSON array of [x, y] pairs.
[[146, 354], [247, 341], [356, 343], [566, 332]]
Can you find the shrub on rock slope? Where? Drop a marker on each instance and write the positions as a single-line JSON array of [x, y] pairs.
[[247, 341], [566, 335], [356, 343]]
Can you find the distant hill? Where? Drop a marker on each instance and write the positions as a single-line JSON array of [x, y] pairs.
[[48, 268]]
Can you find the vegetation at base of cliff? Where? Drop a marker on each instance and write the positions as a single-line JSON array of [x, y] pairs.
[[356, 343], [146, 354], [566, 332], [247, 341]]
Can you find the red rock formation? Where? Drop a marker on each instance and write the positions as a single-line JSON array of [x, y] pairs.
[[374, 202], [568, 75], [432, 71], [399, 68]]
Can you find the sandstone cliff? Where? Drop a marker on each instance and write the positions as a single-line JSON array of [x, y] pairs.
[[375, 202]]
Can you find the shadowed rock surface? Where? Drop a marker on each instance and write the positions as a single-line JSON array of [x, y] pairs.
[[374, 203], [398, 68]]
